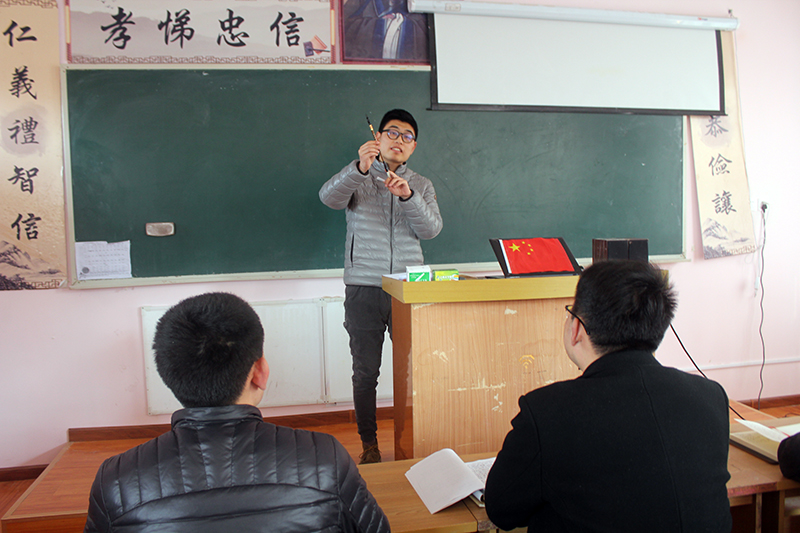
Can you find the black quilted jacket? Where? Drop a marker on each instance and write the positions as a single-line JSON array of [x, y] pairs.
[[225, 469]]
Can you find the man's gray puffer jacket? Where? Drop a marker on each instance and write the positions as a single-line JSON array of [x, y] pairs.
[[225, 469], [383, 232]]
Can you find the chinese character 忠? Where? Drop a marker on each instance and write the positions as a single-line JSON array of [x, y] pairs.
[[179, 30], [31, 231], [229, 25], [722, 203], [22, 37], [292, 32], [20, 83], [24, 178], [119, 33]]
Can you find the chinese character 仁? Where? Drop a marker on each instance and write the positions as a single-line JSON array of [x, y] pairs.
[[21, 37]]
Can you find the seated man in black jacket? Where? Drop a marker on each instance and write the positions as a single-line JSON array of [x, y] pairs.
[[222, 468], [789, 457], [630, 445]]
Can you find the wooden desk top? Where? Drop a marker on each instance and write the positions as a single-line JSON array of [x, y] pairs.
[[481, 290]]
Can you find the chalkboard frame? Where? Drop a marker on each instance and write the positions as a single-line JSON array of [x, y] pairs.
[[284, 274]]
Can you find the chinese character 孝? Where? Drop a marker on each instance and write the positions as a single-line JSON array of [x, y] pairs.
[[26, 127], [229, 26], [24, 178], [178, 28], [31, 231], [292, 31], [21, 37], [714, 128], [118, 32], [722, 203], [719, 165], [21, 83]]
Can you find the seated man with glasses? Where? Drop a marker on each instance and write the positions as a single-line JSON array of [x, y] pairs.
[[630, 445], [389, 208]]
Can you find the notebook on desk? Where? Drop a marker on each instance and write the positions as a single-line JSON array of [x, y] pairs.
[[534, 257], [764, 443]]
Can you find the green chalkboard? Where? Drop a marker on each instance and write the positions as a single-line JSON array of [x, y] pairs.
[[235, 159]]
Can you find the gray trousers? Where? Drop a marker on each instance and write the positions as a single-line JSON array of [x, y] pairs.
[[367, 314]]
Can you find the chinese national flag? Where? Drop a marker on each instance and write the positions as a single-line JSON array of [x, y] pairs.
[[526, 256]]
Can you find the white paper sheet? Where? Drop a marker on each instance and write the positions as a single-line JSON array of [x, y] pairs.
[[442, 479], [103, 260], [773, 434]]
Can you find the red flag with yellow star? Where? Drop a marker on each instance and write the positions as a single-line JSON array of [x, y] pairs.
[[526, 256]]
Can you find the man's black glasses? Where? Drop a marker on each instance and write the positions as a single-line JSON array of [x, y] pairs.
[[573, 313], [394, 134]]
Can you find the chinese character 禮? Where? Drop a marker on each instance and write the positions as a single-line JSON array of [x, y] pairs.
[[27, 128]]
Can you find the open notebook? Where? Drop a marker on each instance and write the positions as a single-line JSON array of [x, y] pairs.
[[537, 256], [762, 438]]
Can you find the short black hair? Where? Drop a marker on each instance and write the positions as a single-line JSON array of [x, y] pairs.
[[401, 115], [624, 305], [205, 347]]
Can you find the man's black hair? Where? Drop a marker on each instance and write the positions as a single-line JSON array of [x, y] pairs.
[[624, 305], [205, 347], [401, 115]]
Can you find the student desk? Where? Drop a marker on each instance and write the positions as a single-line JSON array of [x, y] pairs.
[[57, 501], [466, 351]]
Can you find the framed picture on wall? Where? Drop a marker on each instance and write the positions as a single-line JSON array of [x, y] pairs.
[[382, 31]]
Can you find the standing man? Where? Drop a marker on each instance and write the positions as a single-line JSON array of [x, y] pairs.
[[630, 445], [387, 212], [221, 467]]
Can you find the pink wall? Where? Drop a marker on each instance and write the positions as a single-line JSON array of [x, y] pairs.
[[74, 358]]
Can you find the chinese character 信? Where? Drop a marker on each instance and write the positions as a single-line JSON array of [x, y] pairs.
[[179, 30], [31, 231], [229, 25], [714, 128], [21, 37], [719, 165], [21, 83], [24, 178], [292, 32], [119, 33], [722, 203], [26, 127]]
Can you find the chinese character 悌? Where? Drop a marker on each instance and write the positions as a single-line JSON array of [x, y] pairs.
[[27, 128], [292, 32], [31, 231], [21, 83], [228, 26], [119, 33], [23, 36], [178, 28], [719, 165], [24, 178], [722, 203], [714, 128]]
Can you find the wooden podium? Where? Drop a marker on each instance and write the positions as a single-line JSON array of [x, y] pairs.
[[465, 351]]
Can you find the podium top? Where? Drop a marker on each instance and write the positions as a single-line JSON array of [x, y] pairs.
[[481, 290]]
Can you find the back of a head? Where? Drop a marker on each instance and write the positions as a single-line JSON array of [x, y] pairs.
[[624, 305], [401, 115], [205, 347]]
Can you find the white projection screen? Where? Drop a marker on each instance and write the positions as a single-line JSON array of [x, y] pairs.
[[519, 63]]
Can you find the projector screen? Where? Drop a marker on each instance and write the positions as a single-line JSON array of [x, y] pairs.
[[521, 63]]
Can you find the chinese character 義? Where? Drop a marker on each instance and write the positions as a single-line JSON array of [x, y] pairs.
[[719, 165], [31, 231], [24, 178], [722, 203], [119, 33], [229, 25], [21, 37], [179, 29], [292, 32], [26, 127], [21, 83]]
